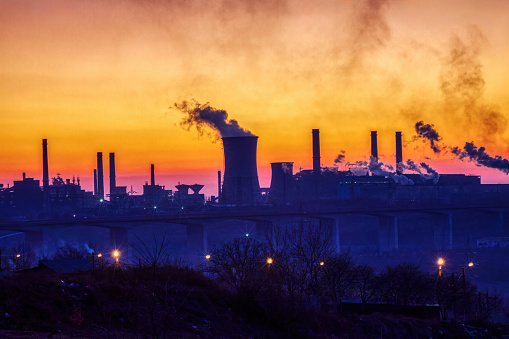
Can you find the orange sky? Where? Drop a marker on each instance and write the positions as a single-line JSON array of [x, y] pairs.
[[93, 76]]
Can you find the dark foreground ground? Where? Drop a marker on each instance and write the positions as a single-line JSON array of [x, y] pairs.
[[174, 302]]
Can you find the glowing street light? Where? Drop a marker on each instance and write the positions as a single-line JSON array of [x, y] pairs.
[[269, 261], [440, 262], [207, 256], [470, 264], [18, 255], [99, 255], [116, 254], [322, 263]]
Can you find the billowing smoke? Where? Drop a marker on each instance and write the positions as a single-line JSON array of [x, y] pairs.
[[428, 133], [205, 116], [369, 32], [470, 151], [378, 168], [432, 174], [462, 85], [412, 166], [480, 157], [340, 158], [287, 167]]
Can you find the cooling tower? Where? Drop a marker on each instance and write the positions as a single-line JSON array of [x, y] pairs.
[[374, 145], [240, 184], [316, 151], [281, 184], [399, 153]]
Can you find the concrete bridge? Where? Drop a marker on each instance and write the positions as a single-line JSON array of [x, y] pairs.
[[383, 229]]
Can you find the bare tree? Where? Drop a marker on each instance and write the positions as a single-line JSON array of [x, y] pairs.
[[298, 250], [405, 284], [241, 265], [338, 276], [153, 254], [364, 280], [22, 256]]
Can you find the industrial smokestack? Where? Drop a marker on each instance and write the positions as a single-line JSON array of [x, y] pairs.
[[316, 151], [374, 145], [240, 184], [399, 154], [45, 172], [100, 176], [95, 182], [152, 175], [219, 186], [113, 180]]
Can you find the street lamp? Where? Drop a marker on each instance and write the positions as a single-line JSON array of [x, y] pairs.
[[440, 262], [269, 261], [116, 254], [322, 263], [470, 264], [207, 256]]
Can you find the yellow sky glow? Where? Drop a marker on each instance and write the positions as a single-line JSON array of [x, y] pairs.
[[94, 76]]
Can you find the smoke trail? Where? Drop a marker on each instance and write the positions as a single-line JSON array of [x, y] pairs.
[[377, 168], [369, 32], [340, 158], [412, 166], [287, 167], [470, 151], [480, 157], [428, 133], [463, 86], [203, 116], [432, 174]]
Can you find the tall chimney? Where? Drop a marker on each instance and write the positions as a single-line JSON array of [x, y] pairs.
[[95, 182], [316, 151], [219, 186], [374, 145], [152, 175], [100, 176], [240, 185], [113, 179], [45, 172], [399, 153]]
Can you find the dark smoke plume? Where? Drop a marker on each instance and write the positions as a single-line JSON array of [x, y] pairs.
[[480, 157], [202, 116], [428, 133], [340, 158], [463, 86]]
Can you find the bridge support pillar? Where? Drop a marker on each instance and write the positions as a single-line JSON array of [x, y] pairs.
[[335, 234], [442, 231], [196, 241], [119, 241], [35, 239], [387, 233]]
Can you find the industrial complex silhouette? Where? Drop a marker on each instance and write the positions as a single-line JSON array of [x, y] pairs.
[[370, 207]]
